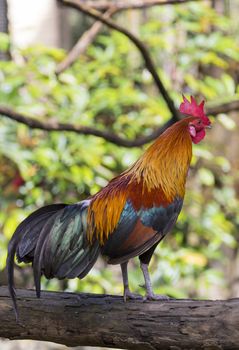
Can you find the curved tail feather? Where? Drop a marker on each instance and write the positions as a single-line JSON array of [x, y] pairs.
[[33, 223], [54, 239]]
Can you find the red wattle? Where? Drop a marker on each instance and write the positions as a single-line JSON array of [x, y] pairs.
[[199, 136]]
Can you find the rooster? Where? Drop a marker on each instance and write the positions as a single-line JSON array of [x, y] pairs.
[[127, 218]]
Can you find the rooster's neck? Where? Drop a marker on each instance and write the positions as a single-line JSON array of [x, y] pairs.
[[165, 163]]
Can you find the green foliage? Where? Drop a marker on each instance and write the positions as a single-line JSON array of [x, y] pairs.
[[109, 88]]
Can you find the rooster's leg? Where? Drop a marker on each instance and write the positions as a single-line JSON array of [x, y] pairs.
[[127, 293], [149, 291], [144, 263]]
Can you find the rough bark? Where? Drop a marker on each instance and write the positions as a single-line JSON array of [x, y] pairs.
[[102, 320], [4, 25], [3, 16]]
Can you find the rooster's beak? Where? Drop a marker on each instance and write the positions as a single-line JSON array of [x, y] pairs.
[[208, 126]]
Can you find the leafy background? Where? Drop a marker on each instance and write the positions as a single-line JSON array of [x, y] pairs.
[[109, 88]]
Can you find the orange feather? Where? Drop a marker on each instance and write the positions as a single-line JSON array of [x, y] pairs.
[[156, 178]]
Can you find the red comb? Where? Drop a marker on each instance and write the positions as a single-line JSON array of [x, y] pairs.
[[191, 108]]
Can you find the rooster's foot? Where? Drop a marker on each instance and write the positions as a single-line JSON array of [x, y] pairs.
[[128, 295], [155, 297]]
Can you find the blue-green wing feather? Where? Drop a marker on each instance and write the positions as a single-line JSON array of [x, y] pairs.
[[138, 230], [161, 219]]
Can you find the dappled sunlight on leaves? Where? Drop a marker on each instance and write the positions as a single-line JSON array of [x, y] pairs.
[[106, 90]]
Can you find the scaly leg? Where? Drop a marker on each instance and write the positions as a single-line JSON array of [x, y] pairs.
[[149, 291], [127, 293]]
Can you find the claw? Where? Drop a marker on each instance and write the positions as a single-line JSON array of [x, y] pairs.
[[149, 291], [131, 296], [155, 297], [127, 292]]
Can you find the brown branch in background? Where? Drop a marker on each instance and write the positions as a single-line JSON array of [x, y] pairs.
[[224, 108], [83, 130], [108, 136], [77, 4], [121, 5], [110, 8], [84, 41]]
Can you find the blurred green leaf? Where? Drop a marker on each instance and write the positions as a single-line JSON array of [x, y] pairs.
[[4, 42]]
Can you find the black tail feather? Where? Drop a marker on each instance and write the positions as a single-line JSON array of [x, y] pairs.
[[54, 239], [14, 244], [25, 249], [39, 252], [10, 272]]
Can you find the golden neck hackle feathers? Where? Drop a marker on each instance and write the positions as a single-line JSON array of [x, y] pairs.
[[163, 167], [165, 163]]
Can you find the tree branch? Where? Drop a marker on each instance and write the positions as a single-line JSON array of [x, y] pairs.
[[224, 108], [84, 41], [108, 136], [83, 130], [121, 5], [102, 320], [110, 8], [77, 4]]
